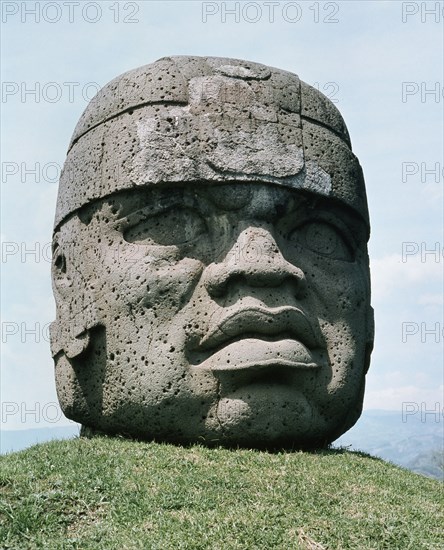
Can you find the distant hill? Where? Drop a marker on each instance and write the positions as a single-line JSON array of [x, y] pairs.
[[413, 443], [16, 440], [114, 494]]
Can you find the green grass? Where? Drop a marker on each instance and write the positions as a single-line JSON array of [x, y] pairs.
[[106, 493]]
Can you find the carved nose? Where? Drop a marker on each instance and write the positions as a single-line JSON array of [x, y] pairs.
[[254, 260]]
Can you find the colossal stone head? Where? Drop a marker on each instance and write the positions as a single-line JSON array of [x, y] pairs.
[[210, 261]]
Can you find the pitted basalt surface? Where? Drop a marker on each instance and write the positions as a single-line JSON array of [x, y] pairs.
[[210, 260]]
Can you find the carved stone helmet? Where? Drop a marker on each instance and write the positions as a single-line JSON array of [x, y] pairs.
[[172, 121]]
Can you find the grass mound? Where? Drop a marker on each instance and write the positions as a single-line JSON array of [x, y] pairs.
[[106, 493]]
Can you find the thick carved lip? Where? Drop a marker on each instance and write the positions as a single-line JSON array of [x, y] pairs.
[[252, 341], [260, 323]]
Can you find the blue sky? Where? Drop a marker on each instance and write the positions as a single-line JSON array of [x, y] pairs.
[[380, 61]]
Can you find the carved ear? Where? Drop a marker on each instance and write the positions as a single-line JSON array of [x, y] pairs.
[[60, 277], [63, 340], [76, 310]]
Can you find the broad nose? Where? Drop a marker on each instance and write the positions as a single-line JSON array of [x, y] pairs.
[[254, 260]]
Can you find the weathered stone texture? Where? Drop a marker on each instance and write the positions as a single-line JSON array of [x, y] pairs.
[[210, 260]]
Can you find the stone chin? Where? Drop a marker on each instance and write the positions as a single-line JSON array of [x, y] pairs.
[[261, 410]]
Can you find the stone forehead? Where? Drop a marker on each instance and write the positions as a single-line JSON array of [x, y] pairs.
[[194, 119]]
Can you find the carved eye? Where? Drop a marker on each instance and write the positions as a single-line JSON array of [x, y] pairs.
[[324, 239], [172, 227]]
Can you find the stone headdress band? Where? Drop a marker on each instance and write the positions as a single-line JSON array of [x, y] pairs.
[[192, 119]]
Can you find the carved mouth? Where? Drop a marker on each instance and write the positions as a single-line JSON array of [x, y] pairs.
[[257, 338], [268, 323]]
